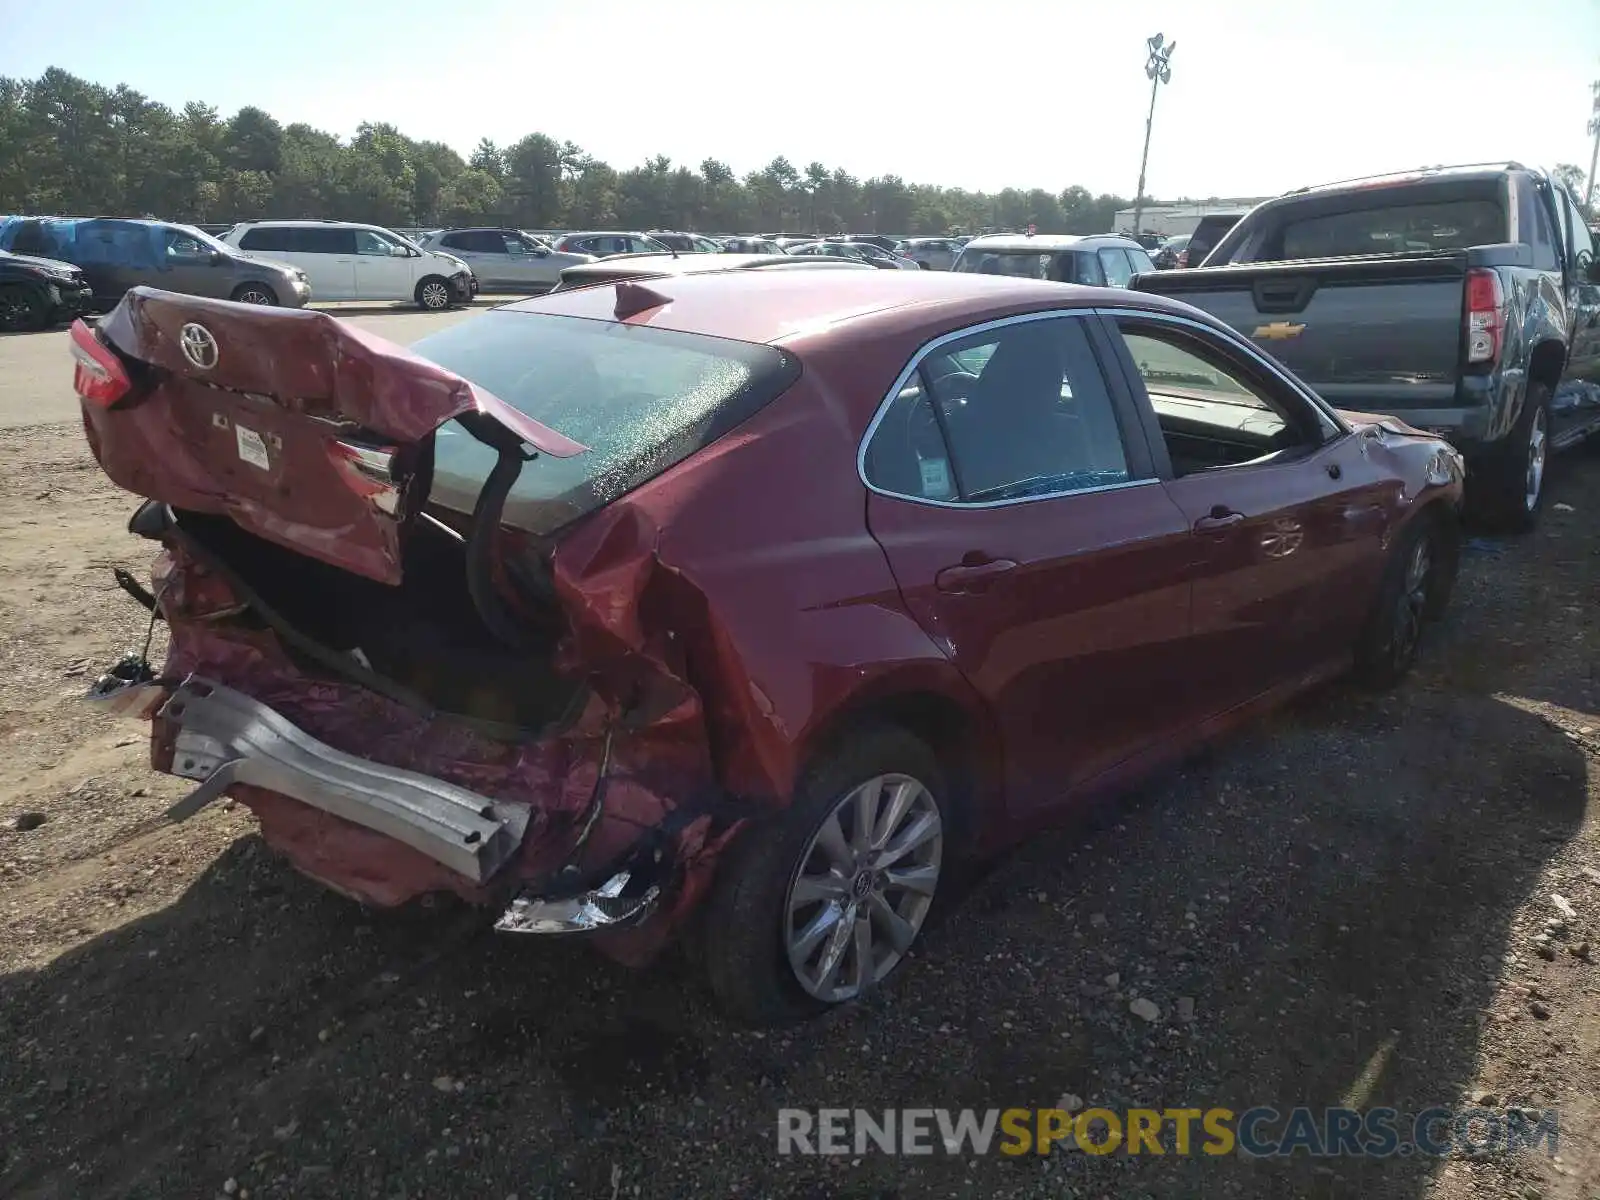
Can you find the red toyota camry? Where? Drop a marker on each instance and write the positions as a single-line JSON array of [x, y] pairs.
[[739, 604]]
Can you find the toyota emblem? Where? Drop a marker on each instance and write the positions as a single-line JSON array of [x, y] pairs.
[[198, 346]]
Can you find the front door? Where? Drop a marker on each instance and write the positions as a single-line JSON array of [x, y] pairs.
[[383, 267], [1287, 513], [1030, 540], [188, 265]]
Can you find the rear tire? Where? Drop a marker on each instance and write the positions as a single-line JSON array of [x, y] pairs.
[[1416, 587], [779, 881], [1510, 496], [254, 293], [23, 308], [433, 294]]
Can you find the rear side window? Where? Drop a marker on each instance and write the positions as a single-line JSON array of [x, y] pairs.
[[265, 239], [309, 239], [641, 399], [1012, 413], [1395, 229]]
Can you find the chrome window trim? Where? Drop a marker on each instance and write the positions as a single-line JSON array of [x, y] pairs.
[[910, 369], [1232, 336]]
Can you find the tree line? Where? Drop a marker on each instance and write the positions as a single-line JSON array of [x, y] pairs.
[[71, 147]]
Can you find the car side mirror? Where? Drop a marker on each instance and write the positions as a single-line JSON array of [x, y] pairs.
[[398, 251], [218, 258], [540, 252], [1591, 269]]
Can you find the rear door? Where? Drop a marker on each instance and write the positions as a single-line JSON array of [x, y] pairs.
[[1013, 492], [1287, 512], [327, 254]]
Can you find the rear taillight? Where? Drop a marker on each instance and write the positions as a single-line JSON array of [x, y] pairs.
[[98, 374], [1486, 316]]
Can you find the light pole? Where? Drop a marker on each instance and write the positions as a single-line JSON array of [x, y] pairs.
[[1158, 70], [1594, 157]]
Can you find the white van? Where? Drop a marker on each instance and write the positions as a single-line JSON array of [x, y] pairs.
[[346, 261]]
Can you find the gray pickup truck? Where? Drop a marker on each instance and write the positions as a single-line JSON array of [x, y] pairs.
[[1462, 300]]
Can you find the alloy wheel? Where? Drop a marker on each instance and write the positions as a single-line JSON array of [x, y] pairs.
[[863, 888], [1537, 448], [1413, 601], [15, 310], [255, 296], [435, 296]]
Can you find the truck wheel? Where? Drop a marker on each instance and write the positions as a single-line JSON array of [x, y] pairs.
[[1511, 493], [1416, 588], [818, 905], [22, 308]]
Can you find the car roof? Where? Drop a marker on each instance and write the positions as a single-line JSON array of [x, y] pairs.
[[606, 233], [770, 306], [313, 224], [1048, 241]]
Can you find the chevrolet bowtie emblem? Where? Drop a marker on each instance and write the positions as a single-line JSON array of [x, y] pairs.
[[1278, 331]]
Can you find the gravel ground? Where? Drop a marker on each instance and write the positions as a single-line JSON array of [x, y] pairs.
[[1345, 902]]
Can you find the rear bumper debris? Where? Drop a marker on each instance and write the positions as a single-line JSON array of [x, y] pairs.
[[618, 903], [224, 738]]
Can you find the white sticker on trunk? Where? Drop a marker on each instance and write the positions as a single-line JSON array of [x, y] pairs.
[[251, 448]]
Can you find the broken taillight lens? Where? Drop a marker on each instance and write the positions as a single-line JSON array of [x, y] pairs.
[[98, 374]]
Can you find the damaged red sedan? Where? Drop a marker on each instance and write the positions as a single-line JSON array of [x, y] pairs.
[[741, 605]]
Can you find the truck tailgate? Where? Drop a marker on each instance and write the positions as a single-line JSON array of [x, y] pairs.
[[1382, 334]]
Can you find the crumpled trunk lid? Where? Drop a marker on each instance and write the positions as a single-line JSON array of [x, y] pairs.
[[300, 427]]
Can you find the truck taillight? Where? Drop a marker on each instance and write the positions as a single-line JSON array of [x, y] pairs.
[[98, 374], [1486, 316]]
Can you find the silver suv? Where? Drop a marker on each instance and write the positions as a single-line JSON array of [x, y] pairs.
[[931, 254], [505, 260]]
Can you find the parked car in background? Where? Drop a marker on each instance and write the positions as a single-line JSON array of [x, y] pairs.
[[881, 241], [603, 243], [1213, 227], [36, 293], [750, 245], [787, 241], [1169, 255], [687, 243], [858, 252], [1456, 298], [1098, 260], [935, 254], [621, 267], [116, 254], [349, 261], [505, 260], [761, 635]]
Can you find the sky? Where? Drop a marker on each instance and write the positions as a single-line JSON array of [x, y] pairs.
[[1265, 95]]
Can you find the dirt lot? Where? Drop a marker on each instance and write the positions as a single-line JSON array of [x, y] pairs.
[[1349, 896]]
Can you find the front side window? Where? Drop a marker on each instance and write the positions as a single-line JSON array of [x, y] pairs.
[[1008, 414], [1114, 262], [183, 246], [1212, 413], [370, 241]]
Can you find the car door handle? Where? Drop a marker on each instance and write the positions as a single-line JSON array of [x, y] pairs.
[[972, 577], [1217, 520]]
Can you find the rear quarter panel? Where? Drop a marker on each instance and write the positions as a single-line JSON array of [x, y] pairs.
[[781, 604]]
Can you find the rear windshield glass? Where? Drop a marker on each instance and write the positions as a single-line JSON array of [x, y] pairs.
[[1396, 229], [641, 399], [1024, 264]]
